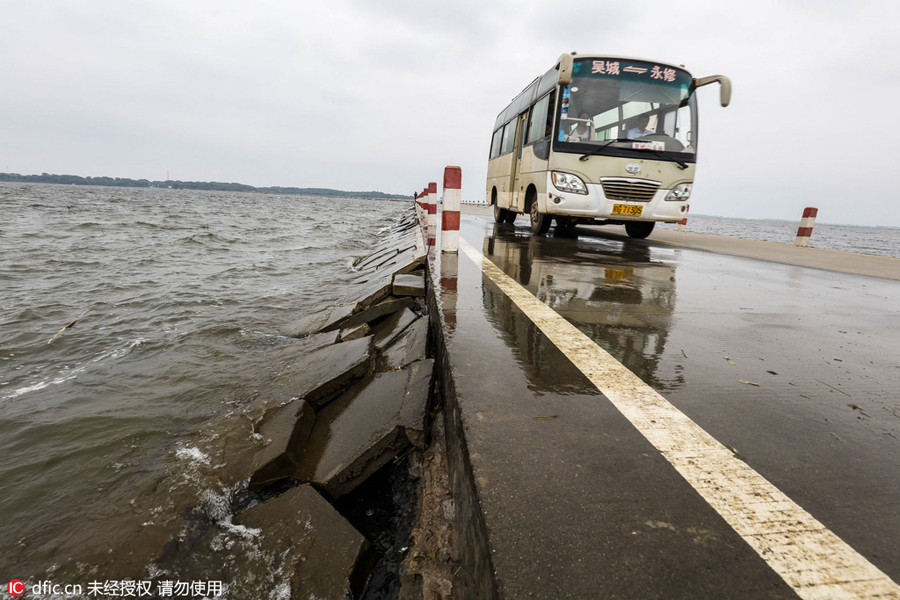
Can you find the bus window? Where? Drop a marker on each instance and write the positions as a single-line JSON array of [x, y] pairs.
[[677, 124], [633, 109], [607, 125], [537, 124], [683, 127], [495, 143], [509, 136]]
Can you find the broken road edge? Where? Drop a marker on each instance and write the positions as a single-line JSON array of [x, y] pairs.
[[360, 408]]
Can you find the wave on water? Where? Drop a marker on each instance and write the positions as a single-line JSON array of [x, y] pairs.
[[189, 291], [68, 373]]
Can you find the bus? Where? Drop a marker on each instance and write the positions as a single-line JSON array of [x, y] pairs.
[[599, 140]]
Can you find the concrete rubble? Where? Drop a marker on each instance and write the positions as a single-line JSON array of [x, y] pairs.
[[366, 427], [355, 394], [297, 543]]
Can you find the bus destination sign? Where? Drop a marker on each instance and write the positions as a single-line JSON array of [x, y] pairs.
[[617, 68]]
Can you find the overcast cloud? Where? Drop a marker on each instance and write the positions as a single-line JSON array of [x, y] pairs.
[[369, 95]]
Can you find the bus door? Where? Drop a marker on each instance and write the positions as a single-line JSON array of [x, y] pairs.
[[517, 197]]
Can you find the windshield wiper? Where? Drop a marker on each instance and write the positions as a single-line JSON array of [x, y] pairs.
[[682, 165], [599, 148]]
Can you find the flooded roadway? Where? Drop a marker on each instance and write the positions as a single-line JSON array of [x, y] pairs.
[[793, 369]]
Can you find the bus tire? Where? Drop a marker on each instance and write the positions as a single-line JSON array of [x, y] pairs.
[[639, 229], [540, 223], [500, 214], [511, 216]]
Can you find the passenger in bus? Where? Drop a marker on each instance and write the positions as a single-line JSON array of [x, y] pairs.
[[581, 132], [641, 129]]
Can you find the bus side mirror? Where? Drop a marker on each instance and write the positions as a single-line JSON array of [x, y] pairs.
[[565, 69], [724, 91]]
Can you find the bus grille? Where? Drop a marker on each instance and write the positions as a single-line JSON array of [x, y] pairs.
[[634, 190]]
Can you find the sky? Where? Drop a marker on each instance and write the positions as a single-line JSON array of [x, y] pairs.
[[364, 95]]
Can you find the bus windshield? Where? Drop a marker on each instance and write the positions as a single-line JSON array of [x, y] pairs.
[[628, 107]]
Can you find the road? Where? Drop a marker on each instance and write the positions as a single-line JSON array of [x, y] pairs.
[[789, 372]]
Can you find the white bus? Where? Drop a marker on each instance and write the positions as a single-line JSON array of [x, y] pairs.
[[598, 139]]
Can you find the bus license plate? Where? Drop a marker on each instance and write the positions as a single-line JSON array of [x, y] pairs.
[[627, 209]]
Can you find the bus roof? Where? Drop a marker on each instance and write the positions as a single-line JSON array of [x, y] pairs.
[[525, 98], [541, 85]]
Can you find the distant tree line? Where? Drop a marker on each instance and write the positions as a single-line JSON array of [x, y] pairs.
[[186, 185]]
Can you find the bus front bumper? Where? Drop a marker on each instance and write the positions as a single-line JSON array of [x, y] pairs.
[[595, 205]]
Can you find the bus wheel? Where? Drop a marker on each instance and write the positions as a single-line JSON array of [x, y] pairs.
[[500, 214], [511, 216], [540, 223], [639, 229]]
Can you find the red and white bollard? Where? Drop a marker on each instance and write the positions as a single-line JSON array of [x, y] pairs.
[[422, 207], [806, 226], [432, 212], [450, 209], [682, 224], [432, 205]]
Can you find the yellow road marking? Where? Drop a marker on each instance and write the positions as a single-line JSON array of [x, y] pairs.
[[815, 562]]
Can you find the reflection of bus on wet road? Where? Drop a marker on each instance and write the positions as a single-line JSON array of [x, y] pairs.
[[603, 140], [613, 292]]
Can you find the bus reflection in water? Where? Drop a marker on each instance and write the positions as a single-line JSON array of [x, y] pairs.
[[611, 292], [598, 139]]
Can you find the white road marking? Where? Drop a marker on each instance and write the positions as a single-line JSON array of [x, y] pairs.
[[815, 562]]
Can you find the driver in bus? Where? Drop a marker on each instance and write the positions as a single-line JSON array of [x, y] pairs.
[[582, 131], [641, 129]]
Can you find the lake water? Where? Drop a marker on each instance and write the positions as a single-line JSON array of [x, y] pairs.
[[881, 241], [180, 296]]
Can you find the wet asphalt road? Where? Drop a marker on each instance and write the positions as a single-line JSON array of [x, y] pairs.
[[795, 369]]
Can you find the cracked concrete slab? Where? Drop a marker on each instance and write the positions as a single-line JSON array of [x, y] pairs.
[[317, 375], [415, 407], [365, 428], [405, 262], [366, 292], [322, 555], [411, 345], [285, 430], [409, 284], [390, 329], [296, 544], [354, 333], [319, 321], [376, 311]]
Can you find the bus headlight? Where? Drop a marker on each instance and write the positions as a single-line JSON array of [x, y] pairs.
[[680, 192], [566, 182]]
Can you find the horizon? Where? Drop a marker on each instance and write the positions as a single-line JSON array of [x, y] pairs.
[[398, 195], [184, 181]]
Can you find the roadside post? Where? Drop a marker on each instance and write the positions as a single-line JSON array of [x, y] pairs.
[[450, 209], [432, 205], [431, 199], [420, 199], [682, 224], [806, 226]]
